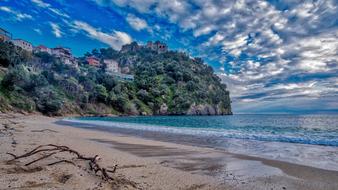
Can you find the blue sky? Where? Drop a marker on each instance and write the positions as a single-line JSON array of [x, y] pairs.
[[276, 56]]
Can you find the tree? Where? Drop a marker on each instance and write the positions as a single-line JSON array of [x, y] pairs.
[[37, 80], [100, 93], [95, 53], [48, 101], [17, 77], [12, 55], [170, 78], [45, 57]]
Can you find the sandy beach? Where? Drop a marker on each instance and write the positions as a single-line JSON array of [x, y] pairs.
[[141, 163]]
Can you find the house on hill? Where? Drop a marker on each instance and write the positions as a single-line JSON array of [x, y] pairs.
[[111, 66], [93, 61], [42, 48], [65, 55], [5, 35], [157, 46], [23, 44]]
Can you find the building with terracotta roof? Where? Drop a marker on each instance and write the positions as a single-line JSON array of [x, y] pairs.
[[42, 48], [93, 61], [23, 44]]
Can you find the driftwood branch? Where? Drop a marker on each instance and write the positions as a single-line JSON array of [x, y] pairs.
[[61, 161], [41, 158], [52, 149], [44, 130]]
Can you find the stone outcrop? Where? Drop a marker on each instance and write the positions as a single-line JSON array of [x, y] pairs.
[[133, 47], [163, 109], [207, 109]]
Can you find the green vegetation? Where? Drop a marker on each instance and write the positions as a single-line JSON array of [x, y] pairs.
[[165, 83]]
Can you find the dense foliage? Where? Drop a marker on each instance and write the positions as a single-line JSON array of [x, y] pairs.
[[165, 83]]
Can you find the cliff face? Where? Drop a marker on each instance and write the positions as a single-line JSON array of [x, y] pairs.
[[200, 109]]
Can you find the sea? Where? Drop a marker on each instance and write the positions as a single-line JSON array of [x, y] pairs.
[[304, 139]]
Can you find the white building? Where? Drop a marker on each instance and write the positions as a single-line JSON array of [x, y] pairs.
[[124, 77], [42, 48], [23, 44], [111, 66]]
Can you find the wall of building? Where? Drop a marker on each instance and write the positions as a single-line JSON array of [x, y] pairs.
[[93, 61], [42, 49], [111, 66], [23, 44], [157, 46]]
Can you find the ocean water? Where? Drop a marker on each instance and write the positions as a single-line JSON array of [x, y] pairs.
[[304, 129], [306, 139]]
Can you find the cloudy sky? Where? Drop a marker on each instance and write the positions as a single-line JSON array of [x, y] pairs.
[[274, 55]]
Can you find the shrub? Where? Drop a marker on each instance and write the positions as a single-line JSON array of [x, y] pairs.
[[100, 93], [17, 77], [48, 101]]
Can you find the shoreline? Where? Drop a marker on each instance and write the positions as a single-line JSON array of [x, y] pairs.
[[294, 153], [150, 164]]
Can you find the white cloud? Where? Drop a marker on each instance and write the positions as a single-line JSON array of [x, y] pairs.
[[49, 7], [137, 23], [37, 30], [216, 39], [18, 15], [40, 3], [116, 39], [6, 9], [140, 5], [203, 30], [59, 13], [56, 30]]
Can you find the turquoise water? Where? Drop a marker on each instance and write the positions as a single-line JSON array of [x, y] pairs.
[[302, 129]]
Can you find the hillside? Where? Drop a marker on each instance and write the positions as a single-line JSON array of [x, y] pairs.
[[167, 83]]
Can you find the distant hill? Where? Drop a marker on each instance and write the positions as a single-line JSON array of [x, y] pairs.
[[165, 83]]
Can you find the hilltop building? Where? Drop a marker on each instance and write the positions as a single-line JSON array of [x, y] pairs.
[[157, 46], [65, 55], [42, 48], [93, 61], [5, 35], [23, 44], [111, 66]]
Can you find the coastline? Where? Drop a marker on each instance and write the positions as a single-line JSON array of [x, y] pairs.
[[145, 163]]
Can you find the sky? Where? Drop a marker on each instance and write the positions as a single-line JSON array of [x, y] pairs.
[[276, 56]]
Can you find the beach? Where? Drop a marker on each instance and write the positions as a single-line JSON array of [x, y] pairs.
[[141, 163]]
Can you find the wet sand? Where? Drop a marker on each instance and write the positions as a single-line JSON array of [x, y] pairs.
[[142, 163]]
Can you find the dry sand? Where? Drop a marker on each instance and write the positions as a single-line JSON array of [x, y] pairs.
[[142, 163]]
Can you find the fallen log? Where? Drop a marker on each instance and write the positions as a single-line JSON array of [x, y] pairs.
[[52, 149]]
